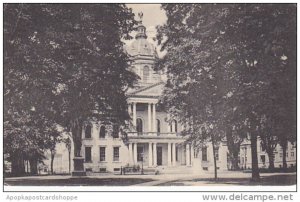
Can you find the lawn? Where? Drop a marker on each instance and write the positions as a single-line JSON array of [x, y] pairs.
[[84, 181], [276, 180]]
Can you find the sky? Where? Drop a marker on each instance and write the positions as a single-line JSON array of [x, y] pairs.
[[152, 17]]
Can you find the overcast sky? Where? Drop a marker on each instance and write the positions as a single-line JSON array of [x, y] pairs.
[[153, 16]]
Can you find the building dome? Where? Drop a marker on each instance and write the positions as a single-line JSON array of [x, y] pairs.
[[141, 46]]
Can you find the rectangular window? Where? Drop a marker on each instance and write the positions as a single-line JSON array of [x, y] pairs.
[[287, 154], [116, 154], [281, 155], [263, 159], [88, 154], [88, 131], [102, 170], [102, 153], [140, 153], [204, 154], [115, 131], [217, 153], [292, 154]]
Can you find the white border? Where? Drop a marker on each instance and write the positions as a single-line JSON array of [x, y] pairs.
[[134, 196]]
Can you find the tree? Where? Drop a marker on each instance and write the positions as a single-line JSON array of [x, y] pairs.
[[195, 91], [26, 137], [67, 61], [55, 137], [209, 45]]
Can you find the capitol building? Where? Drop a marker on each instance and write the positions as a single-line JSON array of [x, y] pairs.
[[154, 140]]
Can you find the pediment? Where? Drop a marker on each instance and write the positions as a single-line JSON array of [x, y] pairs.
[[153, 90]]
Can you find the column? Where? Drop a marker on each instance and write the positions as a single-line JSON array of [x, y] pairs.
[[134, 115], [150, 155], [174, 154], [169, 155], [192, 154], [169, 126], [135, 153], [154, 155], [130, 153], [129, 109], [154, 118], [188, 162], [173, 126], [149, 117]]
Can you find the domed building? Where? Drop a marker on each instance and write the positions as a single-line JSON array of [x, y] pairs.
[[153, 141], [143, 54]]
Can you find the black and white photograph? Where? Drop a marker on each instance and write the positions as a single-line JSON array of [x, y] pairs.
[[149, 96]]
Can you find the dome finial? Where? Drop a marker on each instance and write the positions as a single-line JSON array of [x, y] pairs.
[[141, 29]]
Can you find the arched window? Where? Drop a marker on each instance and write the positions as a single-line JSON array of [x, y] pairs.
[[139, 126], [88, 131], [102, 132], [174, 126], [146, 73], [158, 125]]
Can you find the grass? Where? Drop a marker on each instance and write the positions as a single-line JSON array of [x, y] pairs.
[[83, 181], [276, 180]]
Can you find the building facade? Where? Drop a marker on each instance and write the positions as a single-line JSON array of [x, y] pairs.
[[154, 140]]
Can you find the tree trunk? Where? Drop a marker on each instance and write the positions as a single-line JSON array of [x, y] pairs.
[[215, 160], [33, 166], [76, 129], [17, 164], [235, 160], [284, 147], [233, 150], [255, 170], [271, 160], [52, 160]]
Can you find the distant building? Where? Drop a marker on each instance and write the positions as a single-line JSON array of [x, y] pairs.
[[262, 156]]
